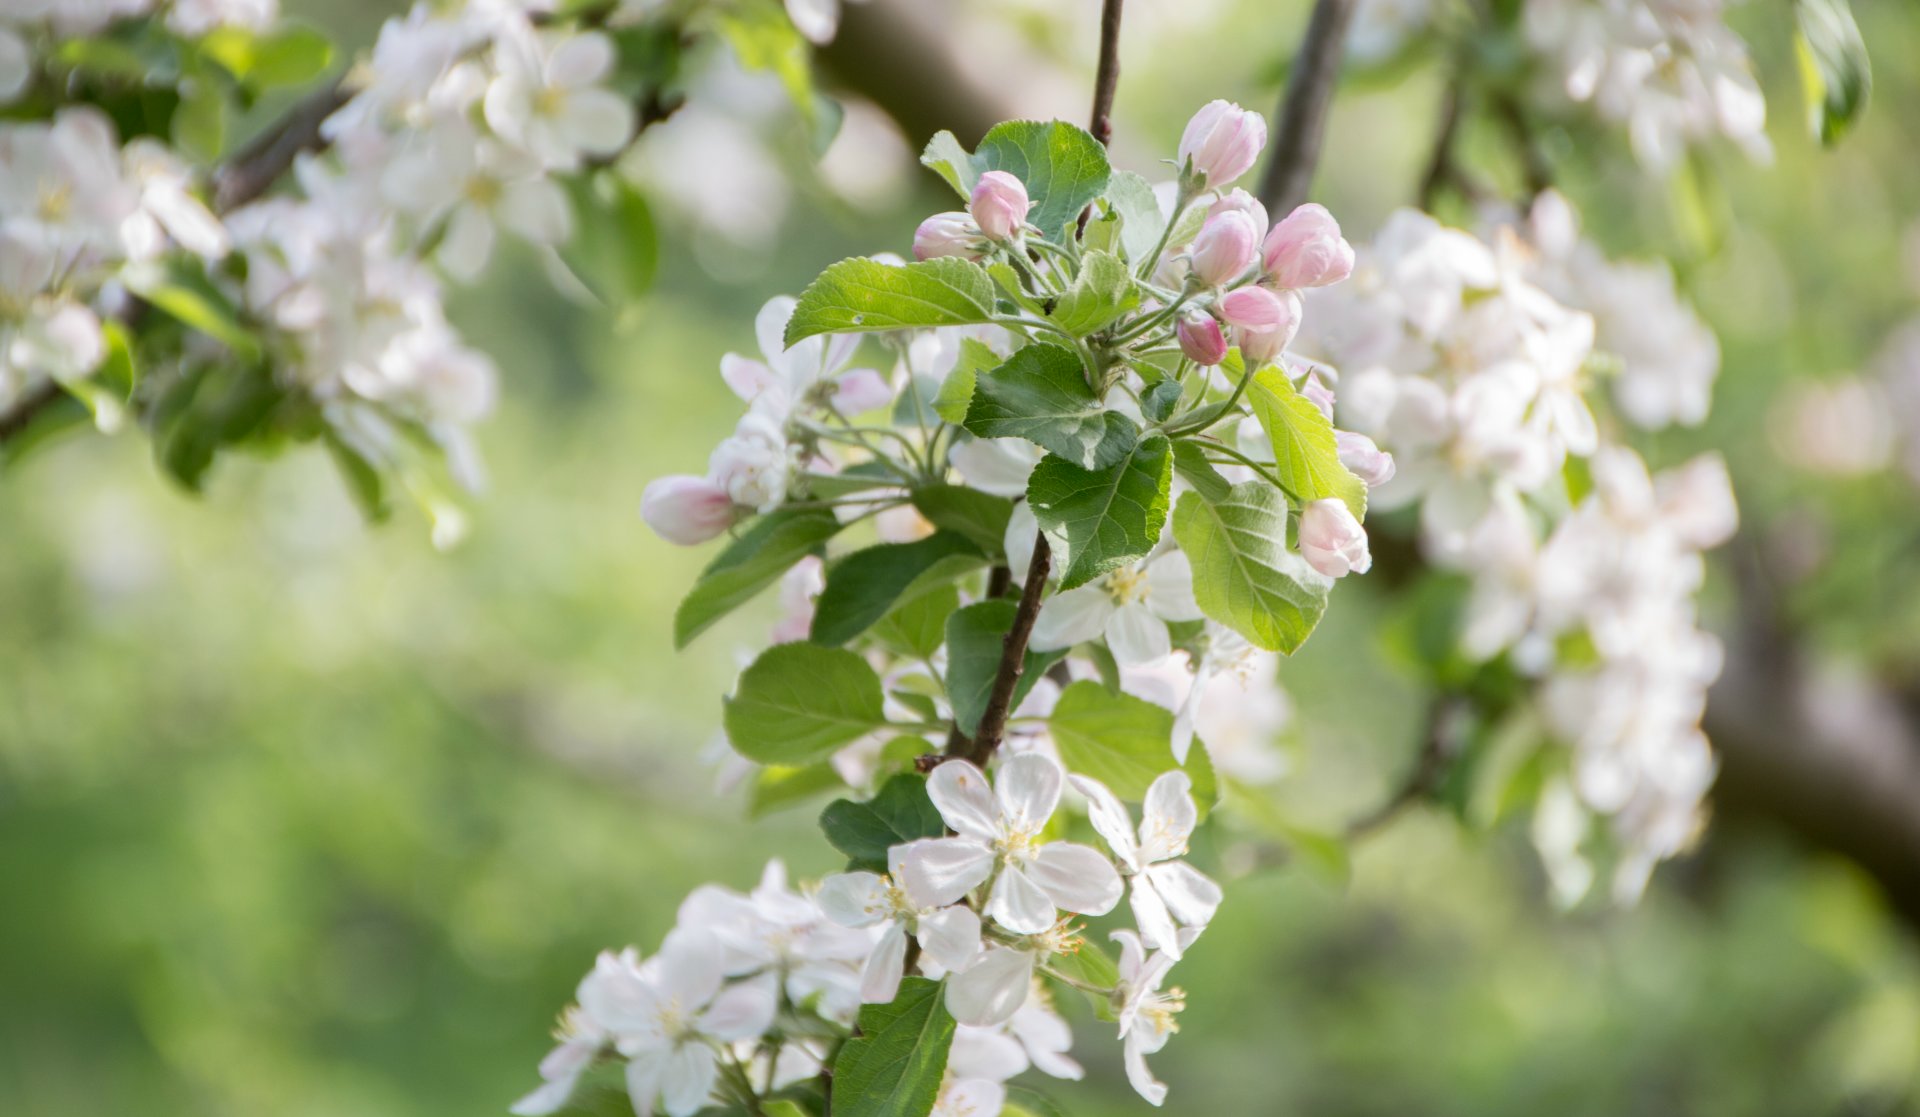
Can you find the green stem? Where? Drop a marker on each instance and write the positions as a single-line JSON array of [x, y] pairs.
[[1180, 204], [1265, 473]]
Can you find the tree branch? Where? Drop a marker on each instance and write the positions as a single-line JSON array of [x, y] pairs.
[[1013, 658], [1437, 753], [896, 55], [1300, 122], [1106, 80], [261, 163]]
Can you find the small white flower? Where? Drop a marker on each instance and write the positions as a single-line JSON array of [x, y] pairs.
[[1146, 1012], [813, 373], [1167, 893], [548, 100], [948, 936], [1130, 608]]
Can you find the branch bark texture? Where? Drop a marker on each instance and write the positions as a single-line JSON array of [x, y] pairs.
[[1299, 125]]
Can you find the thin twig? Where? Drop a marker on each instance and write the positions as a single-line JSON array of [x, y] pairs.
[[1106, 80], [1533, 162], [1440, 169], [1013, 656], [257, 167], [1301, 120]]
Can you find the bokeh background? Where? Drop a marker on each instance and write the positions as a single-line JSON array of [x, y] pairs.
[[301, 818]]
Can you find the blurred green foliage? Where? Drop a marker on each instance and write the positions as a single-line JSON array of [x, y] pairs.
[[298, 817]]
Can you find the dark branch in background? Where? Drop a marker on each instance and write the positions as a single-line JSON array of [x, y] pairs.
[[895, 54], [1106, 80], [259, 165], [1301, 120], [22, 414], [1437, 753], [1536, 172], [1441, 171]]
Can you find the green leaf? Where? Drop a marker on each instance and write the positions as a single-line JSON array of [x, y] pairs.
[[1159, 401], [798, 703], [1244, 575], [860, 294], [184, 293], [1104, 518], [1132, 197], [1124, 742], [918, 624], [956, 391], [862, 587], [764, 38], [1063, 167], [615, 249], [976, 640], [293, 54], [208, 408], [1041, 394], [946, 157], [1100, 295], [1090, 965], [200, 123], [893, 1064], [1191, 462], [865, 831], [778, 786], [750, 564], [1024, 1101], [1306, 458], [1835, 72], [981, 517]]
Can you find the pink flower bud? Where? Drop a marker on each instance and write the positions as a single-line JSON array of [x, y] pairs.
[[1318, 394], [1227, 245], [1263, 321], [1221, 142], [946, 234], [1332, 541], [1307, 250], [1201, 338], [1367, 461], [1239, 201], [999, 205], [686, 510]]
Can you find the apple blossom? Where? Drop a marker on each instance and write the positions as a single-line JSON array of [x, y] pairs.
[[1145, 1011], [948, 936], [1305, 249], [1263, 322], [547, 97], [1130, 608], [1226, 246], [1172, 901], [999, 206], [1364, 458], [1332, 541], [686, 510], [1221, 142], [1201, 339], [947, 234]]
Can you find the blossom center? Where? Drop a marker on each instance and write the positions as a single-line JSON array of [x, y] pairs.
[[1127, 585]]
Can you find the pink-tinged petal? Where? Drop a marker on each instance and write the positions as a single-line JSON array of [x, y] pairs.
[[1109, 818], [1150, 913], [880, 977], [1190, 895], [1020, 905], [860, 391], [748, 378], [939, 871], [686, 510], [1168, 817], [1028, 787], [991, 990], [1076, 877], [950, 937], [965, 800]]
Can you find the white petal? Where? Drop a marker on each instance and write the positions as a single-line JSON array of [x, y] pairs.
[[815, 19], [991, 990], [597, 121], [537, 211], [691, 965], [973, 1097], [1137, 637], [581, 60], [749, 379], [1190, 894], [1028, 787], [1139, 1076], [854, 899], [1070, 618], [880, 977], [687, 1080], [1077, 878], [744, 1009], [549, 1098], [965, 800], [467, 242], [1019, 904], [939, 871], [16, 70], [1170, 588], [1150, 913], [950, 937], [770, 329], [1109, 818], [1168, 818], [985, 1054]]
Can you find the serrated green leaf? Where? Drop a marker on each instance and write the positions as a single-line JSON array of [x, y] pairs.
[[1124, 742], [1244, 575], [1041, 394], [976, 642], [1835, 72], [1191, 462], [1159, 401], [956, 391], [917, 626], [1100, 295], [945, 157], [864, 831], [750, 564], [1103, 518], [1306, 457], [861, 294], [893, 1064], [1132, 197], [1063, 167], [1008, 280], [798, 703], [981, 517], [862, 587]]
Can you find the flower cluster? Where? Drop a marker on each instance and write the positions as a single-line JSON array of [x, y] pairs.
[[1583, 568], [1085, 413], [29, 30]]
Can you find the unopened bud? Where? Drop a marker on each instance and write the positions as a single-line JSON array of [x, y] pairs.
[[946, 234], [1306, 250], [686, 510], [999, 205], [1263, 321], [1332, 541], [1364, 458], [1227, 245], [1201, 338], [1221, 142]]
